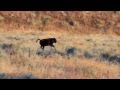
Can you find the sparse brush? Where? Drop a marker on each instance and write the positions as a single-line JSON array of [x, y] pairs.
[[70, 51], [87, 22], [76, 56]]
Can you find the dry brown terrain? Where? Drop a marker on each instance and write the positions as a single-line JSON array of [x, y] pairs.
[[88, 45], [82, 22]]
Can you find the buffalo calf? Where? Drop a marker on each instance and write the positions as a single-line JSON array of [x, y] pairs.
[[47, 42]]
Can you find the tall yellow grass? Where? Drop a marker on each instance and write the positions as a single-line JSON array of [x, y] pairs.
[[60, 68]]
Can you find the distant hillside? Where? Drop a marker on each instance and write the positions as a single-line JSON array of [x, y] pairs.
[[76, 21]]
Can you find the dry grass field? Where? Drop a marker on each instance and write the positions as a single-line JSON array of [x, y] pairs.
[[88, 45], [77, 57]]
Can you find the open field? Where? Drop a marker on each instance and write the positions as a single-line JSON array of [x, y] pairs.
[[77, 56]]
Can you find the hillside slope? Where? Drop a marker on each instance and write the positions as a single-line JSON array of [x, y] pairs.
[[75, 21]]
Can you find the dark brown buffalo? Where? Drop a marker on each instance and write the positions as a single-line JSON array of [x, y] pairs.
[[47, 42]]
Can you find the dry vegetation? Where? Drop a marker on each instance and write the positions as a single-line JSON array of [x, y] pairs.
[[88, 44], [86, 22], [80, 57]]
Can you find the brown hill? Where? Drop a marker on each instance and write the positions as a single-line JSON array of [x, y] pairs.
[[75, 21]]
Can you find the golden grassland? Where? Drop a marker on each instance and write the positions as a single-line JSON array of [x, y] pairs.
[[88, 44], [85, 22], [59, 68], [59, 65]]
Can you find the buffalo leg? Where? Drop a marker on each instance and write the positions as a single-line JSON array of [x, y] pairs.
[[42, 48], [54, 47]]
